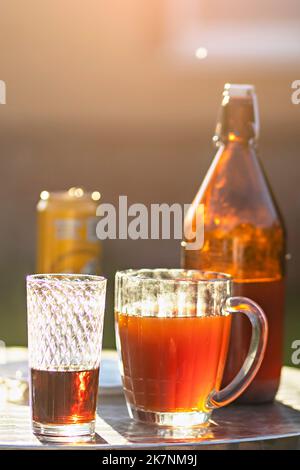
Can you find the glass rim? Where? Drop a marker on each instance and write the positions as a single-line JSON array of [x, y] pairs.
[[65, 277], [140, 275]]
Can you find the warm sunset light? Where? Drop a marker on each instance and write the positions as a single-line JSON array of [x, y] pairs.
[[149, 243]]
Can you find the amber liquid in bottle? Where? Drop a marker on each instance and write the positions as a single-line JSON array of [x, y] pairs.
[[243, 235]]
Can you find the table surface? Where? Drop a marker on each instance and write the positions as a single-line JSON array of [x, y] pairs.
[[271, 426]]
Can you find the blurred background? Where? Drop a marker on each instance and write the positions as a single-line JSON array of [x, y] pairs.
[[122, 97]]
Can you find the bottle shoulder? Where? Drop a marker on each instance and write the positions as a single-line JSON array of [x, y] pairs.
[[236, 191]]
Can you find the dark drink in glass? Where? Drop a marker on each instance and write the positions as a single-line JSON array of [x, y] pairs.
[[64, 397], [65, 325]]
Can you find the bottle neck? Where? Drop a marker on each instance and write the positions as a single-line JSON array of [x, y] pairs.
[[238, 121], [232, 138]]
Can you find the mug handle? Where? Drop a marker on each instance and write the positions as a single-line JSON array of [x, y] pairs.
[[255, 354]]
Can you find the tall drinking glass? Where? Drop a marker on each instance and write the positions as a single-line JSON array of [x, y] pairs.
[[173, 329], [65, 325]]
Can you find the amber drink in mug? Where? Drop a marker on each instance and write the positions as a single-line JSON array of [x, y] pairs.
[[173, 329]]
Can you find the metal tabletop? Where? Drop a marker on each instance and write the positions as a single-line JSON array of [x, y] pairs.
[[272, 426]]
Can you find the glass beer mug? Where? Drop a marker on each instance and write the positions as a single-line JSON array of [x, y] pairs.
[[173, 330]]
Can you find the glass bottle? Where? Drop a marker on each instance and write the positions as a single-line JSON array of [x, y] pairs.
[[244, 235]]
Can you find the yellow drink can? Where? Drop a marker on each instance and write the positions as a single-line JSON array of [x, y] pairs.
[[66, 239]]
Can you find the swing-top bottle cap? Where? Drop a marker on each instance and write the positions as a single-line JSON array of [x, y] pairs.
[[238, 90]]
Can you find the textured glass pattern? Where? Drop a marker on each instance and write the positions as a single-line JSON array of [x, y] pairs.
[[65, 321], [171, 292]]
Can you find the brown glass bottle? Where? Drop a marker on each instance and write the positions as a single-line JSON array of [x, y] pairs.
[[243, 235]]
